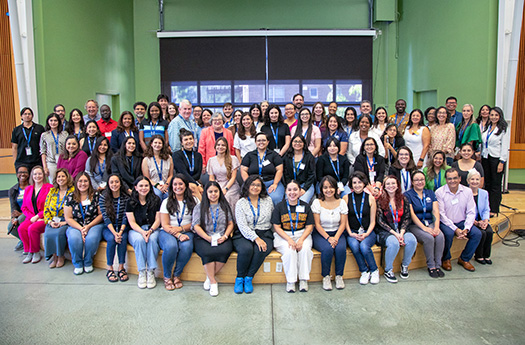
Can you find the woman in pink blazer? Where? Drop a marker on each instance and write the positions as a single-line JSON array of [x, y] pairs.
[[33, 208], [208, 137]]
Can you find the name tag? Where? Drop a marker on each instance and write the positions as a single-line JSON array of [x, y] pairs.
[[56, 158], [214, 238], [301, 166], [103, 184], [108, 134], [454, 201], [299, 209], [361, 231], [161, 183], [86, 202], [265, 163], [277, 150], [425, 222], [340, 185], [29, 152], [56, 219]]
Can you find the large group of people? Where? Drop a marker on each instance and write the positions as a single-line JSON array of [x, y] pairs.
[[184, 179]]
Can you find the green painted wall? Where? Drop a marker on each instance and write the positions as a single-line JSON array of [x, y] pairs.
[[83, 48]]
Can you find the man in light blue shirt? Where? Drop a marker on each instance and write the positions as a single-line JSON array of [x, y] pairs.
[[184, 120], [92, 111]]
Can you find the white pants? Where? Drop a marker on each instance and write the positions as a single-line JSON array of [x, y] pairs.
[[295, 262], [52, 171]]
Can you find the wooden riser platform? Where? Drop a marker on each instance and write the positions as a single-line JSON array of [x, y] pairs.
[[194, 270]]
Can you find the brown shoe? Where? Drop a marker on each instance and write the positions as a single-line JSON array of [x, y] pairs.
[[466, 265], [53, 262], [60, 261], [446, 265]]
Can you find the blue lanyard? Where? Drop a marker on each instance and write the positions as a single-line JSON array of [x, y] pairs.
[[488, 135], [56, 141], [64, 125], [275, 135], [60, 203], [402, 119], [215, 219], [360, 215], [318, 124], [118, 212], [349, 131], [126, 134], [179, 219], [156, 166], [192, 164], [255, 219], [424, 205], [296, 217], [91, 147], [78, 134], [333, 167], [191, 127], [405, 178], [390, 153], [261, 162], [153, 131], [296, 168], [461, 132], [437, 180], [28, 138], [396, 222], [82, 213], [370, 166], [305, 133], [101, 168]]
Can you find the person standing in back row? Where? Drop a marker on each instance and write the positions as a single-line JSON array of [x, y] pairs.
[[25, 141]]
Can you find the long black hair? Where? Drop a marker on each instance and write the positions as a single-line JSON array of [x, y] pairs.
[[48, 127], [93, 162], [70, 128], [121, 153], [299, 127], [152, 201], [205, 205], [246, 186], [108, 199], [172, 205], [291, 152], [502, 124]]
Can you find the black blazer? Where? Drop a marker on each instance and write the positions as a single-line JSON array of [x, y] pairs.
[[122, 168], [181, 165], [361, 164], [324, 168]]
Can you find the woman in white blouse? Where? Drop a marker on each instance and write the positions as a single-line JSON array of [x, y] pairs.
[[494, 155], [330, 223], [254, 240], [244, 140]]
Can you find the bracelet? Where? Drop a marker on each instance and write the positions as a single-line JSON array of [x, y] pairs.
[[421, 160]]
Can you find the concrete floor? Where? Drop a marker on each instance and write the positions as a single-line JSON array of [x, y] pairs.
[[44, 306]]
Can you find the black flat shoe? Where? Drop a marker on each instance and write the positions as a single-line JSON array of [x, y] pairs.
[[488, 261], [481, 261], [440, 273], [433, 273]]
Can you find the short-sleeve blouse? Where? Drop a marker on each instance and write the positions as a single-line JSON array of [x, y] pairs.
[[89, 210], [330, 219]]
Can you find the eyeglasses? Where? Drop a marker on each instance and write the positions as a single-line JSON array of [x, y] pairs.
[[419, 180], [256, 185]]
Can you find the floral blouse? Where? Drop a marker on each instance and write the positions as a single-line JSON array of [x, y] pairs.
[[89, 209]]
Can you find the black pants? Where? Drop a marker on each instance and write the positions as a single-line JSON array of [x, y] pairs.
[[485, 245], [249, 257], [493, 181], [208, 254]]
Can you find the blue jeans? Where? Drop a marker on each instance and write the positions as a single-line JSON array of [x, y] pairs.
[[362, 252], [278, 194], [474, 237], [145, 253], [392, 248], [55, 240], [112, 245], [173, 250], [161, 195], [82, 253], [328, 253], [307, 197]]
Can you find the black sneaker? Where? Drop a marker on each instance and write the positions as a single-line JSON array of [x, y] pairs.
[[404, 272], [440, 273], [432, 272], [390, 276]]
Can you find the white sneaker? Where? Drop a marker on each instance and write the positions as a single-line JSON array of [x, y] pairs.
[[206, 284], [78, 271], [303, 286], [327, 283], [290, 287], [374, 279], [339, 282], [88, 269], [214, 289], [28, 258], [142, 280], [150, 280], [36, 258], [365, 277]]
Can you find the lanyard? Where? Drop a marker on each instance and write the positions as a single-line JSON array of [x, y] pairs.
[[78, 134], [28, 138], [192, 164], [405, 176], [306, 132], [261, 161], [91, 147], [190, 126], [461, 132], [255, 219], [437, 180], [402, 119], [318, 123], [424, 205], [157, 166], [394, 147], [64, 125], [296, 168], [275, 135], [60, 203], [153, 131], [333, 167], [396, 221], [371, 166], [215, 219], [179, 219], [296, 217], [118, 211], [360, 215], [56, 141], [101, 168], [349, 131], [488, 135], [82, 212], [127, 134]]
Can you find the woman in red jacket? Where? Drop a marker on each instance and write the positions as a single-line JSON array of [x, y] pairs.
[[33, 208]]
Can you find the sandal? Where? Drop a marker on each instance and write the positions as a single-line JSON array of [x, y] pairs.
[[112, 277], [123, 276], [168, 284], [177, 282]]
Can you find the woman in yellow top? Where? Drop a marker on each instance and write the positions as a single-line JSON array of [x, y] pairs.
[[56, 226]]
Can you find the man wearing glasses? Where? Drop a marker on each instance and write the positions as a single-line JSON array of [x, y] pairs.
[[451, 105], [457, 212]]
